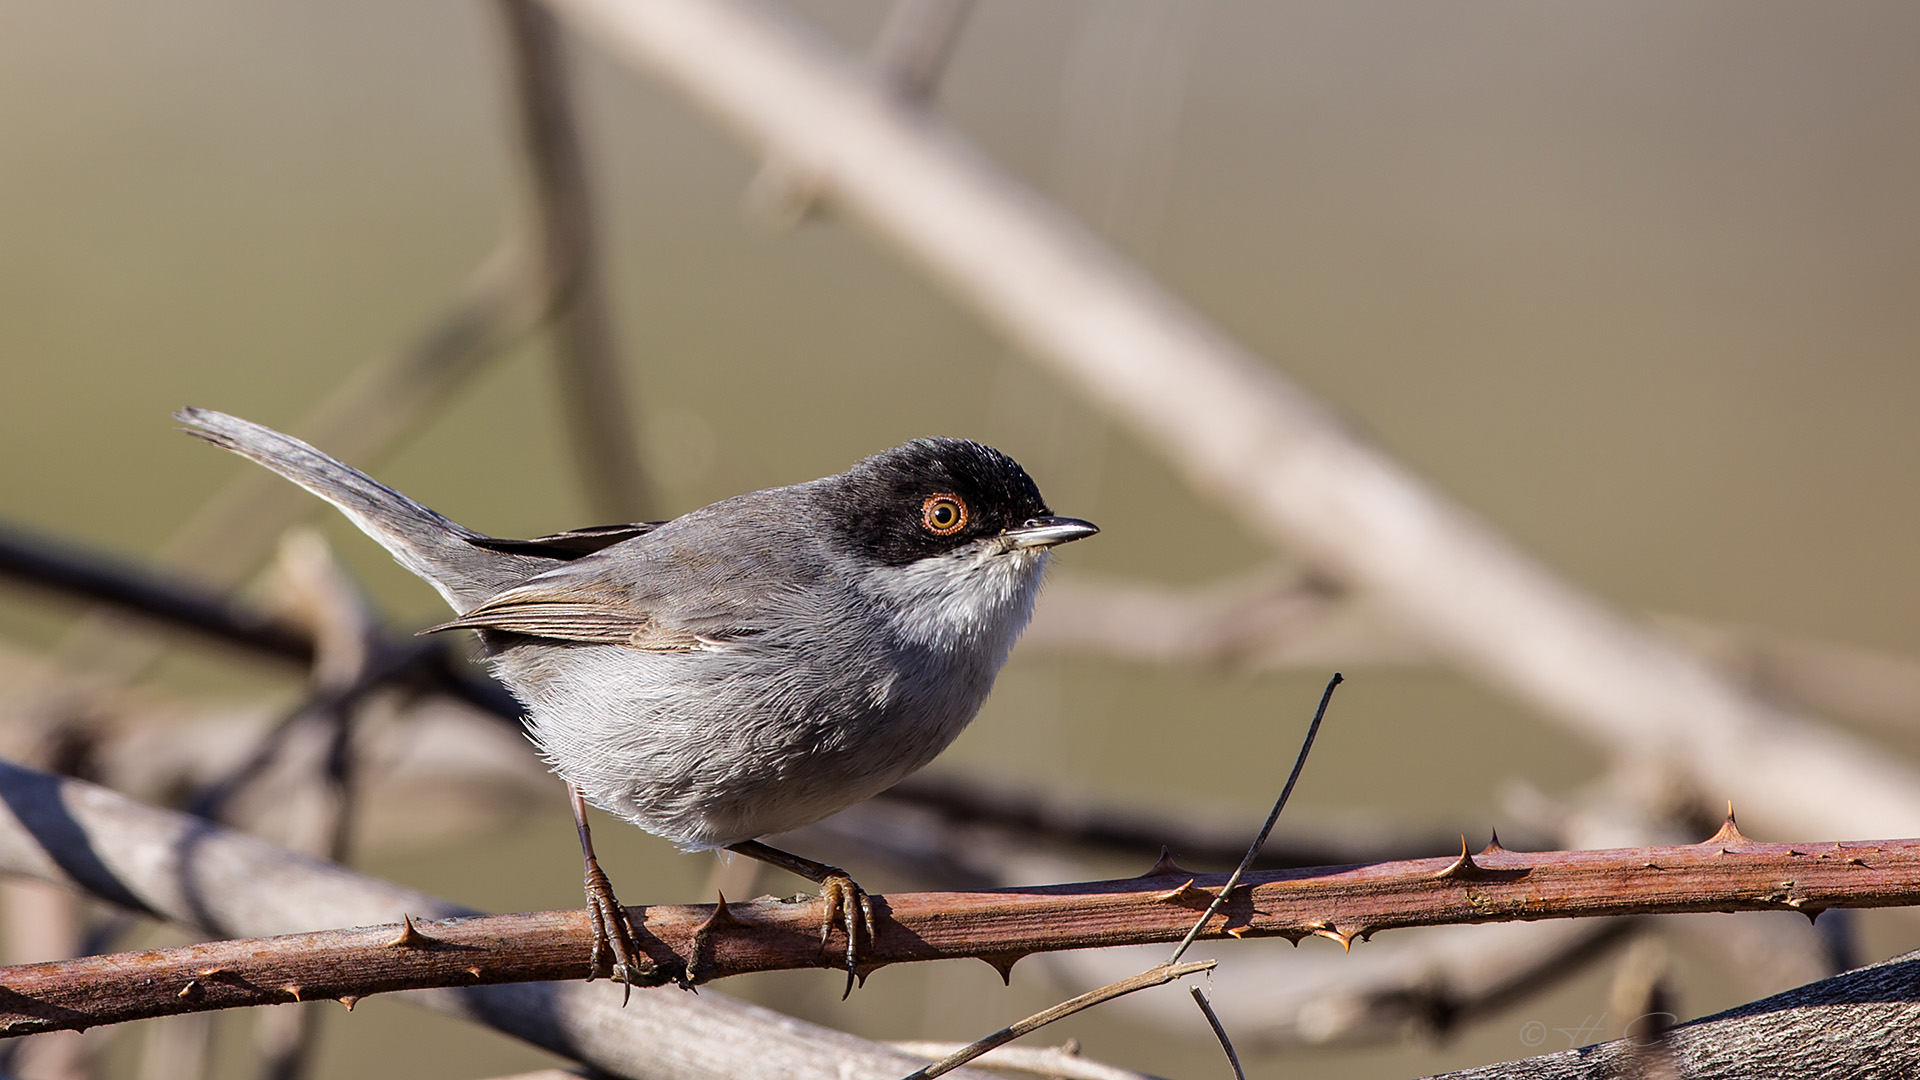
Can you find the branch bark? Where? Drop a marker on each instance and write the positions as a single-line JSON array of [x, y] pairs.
[[1862, 1023], [1724, 873]]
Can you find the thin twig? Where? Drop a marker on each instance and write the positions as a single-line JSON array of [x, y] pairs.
[[907, 58], [71, 569], [1054, 1062], [586, 354], [1159, 975], [1253, 850], [1219, 1032]]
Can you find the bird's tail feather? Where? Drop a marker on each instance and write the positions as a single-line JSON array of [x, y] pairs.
[[422, 541]]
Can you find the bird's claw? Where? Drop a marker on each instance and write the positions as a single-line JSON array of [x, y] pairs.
[[612, 931], [847, 906]]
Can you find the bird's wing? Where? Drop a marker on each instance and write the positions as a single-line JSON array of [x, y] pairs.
[[580, 611], [671, 591], [569, 545]]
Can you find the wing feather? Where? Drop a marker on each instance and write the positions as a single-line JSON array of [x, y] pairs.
[[587, 621]]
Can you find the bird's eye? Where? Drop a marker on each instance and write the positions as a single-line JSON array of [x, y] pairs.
[[943, 515]]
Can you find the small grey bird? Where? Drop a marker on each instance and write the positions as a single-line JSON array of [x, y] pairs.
[[747, 668]]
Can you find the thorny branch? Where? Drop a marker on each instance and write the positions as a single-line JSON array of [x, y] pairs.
[[1727, 872]]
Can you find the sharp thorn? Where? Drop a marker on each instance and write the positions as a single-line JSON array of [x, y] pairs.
[[1729, 832], [1164, 865], [1327, 930], [1186, 895], [410, 936], [722, 916], [1462, 868], [349, 1000], [1493, 845], [1003, 963], [191, 991]]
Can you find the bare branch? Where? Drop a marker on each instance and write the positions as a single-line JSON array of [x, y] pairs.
[[1861, 1023], [1219, 1032], [1280, 619], [1725, 873], [170, 599], [907, 58], [1056, 1062], [595, 395]]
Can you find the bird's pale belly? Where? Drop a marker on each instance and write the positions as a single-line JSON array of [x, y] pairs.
[[706, 751]]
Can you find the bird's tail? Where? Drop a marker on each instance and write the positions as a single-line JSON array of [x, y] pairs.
[[422, 541]]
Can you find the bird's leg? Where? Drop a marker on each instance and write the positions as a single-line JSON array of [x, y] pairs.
[[846, 902], [612, 929]]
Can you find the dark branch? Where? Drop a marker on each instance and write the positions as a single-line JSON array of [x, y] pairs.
[[63, 567]]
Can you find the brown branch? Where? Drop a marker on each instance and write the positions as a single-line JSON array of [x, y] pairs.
[[1725, 873]]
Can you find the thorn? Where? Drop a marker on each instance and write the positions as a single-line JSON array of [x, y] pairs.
[[213, 973], [475, 972], [1185, 895], [1493, 845], [1649, 865], [191, 991], [1805, 907], [1791, 851], [1855, 860], [860, 976], [1729, 832], [1165, 865], [1327, 930], [410, 936], [293, 990], [1237, 932], [349, 1000], [722, 916], [1003, 963], [1463, 868]]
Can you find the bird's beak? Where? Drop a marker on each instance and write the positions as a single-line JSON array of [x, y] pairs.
[[1045, 532]]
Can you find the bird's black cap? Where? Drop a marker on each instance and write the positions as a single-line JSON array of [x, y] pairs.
[[893, 505]]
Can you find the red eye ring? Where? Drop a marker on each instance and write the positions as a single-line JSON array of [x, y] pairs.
[[943, 515]]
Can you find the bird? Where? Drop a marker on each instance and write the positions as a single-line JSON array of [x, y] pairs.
[[744, 669]]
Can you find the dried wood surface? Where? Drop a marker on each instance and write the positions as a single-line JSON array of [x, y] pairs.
[[1859, 1025]]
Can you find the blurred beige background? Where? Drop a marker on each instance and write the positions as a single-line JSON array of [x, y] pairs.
[[1634, 281]]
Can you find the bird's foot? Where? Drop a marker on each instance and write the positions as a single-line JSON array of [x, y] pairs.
[[847, 906], [613, 931]]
